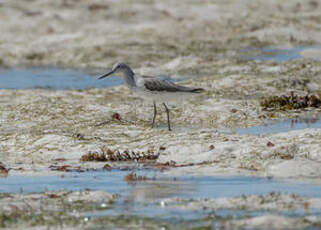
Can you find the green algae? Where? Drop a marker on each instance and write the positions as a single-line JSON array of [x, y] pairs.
[[47, 209], [22, 218], [65, 217]]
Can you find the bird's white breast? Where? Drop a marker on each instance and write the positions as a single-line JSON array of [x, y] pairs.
[[160, 96]]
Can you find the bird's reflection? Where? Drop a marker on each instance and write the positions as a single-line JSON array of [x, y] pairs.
[[153, 190], [307, 121]]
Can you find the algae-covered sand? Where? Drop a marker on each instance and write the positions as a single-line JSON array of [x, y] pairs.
[[206, 44], [40, 126]]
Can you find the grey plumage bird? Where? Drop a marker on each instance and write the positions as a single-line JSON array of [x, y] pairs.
[[155, 89]]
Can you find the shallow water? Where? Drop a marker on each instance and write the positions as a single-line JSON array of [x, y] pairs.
[[275, 54], [60, 79], [156, 186], [282, 126], [51, 78], [142, 198]]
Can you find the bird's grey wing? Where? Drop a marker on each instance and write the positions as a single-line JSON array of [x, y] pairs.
[[159, 85]]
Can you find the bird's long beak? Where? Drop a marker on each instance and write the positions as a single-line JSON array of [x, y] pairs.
[[106, 75]]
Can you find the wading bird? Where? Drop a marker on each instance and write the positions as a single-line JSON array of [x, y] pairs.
[[152, 88]]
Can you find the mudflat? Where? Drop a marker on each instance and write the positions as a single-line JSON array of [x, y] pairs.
[[238, 51]]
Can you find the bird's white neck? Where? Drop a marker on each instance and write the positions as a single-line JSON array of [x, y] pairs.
[[128, 76]]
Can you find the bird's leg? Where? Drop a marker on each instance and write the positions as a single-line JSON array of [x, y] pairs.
[[155, 112], [168, 122]]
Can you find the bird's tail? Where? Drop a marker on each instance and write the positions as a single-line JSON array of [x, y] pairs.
[[197, 90]]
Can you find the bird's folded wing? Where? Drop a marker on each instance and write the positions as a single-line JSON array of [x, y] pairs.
[[159, 85]]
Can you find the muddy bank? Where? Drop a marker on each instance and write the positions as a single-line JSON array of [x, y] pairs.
[[39, 126], [87, 209], [258, 61], [150, 33], [43, 126], [275, 210]]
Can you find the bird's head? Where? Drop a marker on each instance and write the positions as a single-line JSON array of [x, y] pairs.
[[119, 67]]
